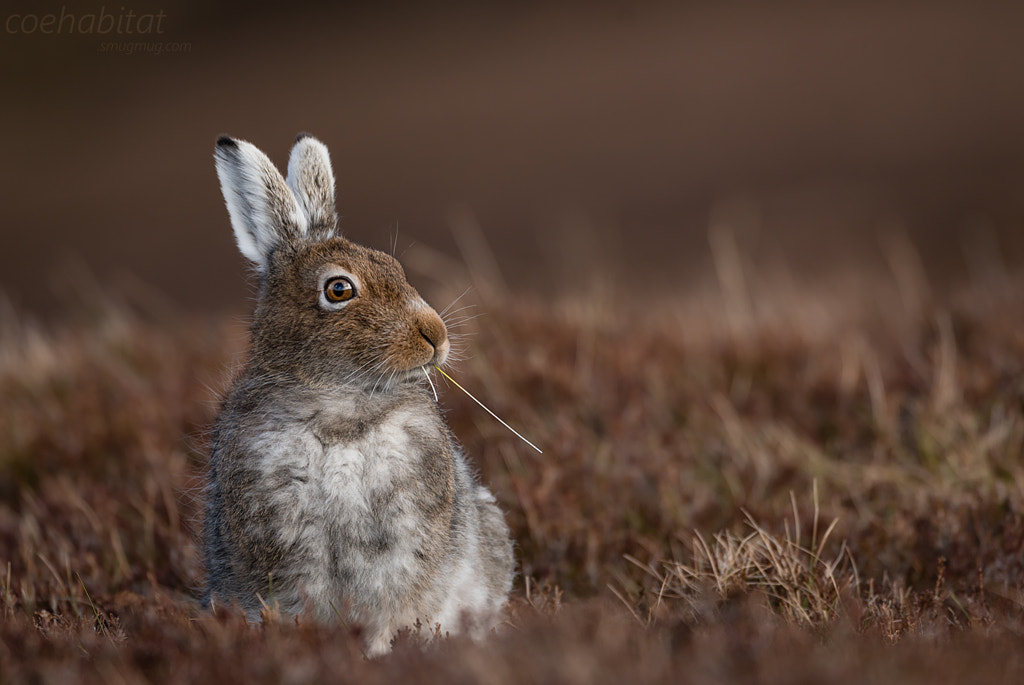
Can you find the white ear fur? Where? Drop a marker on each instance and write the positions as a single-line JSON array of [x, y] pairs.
[[264, 212], [312, 182]]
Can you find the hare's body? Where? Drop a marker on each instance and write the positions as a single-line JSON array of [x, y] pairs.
[[340, 506], [336, 489]]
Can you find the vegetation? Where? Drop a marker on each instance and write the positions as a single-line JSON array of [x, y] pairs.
[[790, 486]]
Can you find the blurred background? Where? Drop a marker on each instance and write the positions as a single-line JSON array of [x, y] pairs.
[[573, 142]]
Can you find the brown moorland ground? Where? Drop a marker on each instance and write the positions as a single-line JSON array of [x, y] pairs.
[[754, 482]]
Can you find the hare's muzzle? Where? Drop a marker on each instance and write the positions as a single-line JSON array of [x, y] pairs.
[[434, 333]]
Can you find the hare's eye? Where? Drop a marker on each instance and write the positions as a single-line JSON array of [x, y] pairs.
[[339, 289]]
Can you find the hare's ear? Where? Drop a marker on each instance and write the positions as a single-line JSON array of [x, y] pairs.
[[312, 182], [264, 213]]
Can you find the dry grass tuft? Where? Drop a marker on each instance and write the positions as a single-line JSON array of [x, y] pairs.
[[796, 581]]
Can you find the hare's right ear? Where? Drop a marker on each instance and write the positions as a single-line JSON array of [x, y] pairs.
[[312, 182], [264, 212]]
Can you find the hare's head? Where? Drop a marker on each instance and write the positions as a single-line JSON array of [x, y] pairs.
[[329, 311]]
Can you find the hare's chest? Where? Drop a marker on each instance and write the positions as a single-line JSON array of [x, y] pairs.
[[359, 512], [364, 495], [366, 478]]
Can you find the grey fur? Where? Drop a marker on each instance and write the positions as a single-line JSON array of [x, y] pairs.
[[335, 486], [312, 182]]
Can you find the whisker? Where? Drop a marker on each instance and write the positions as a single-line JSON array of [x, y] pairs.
[[447, 316], [460, 309], [462, 320], [427, 374], [452, 303]]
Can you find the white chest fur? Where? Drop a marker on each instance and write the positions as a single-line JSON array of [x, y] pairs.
[[348, 513]]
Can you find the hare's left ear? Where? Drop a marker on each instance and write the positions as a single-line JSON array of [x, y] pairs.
[[312, 182], [264, 213]]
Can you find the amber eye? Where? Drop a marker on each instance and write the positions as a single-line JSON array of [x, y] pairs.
[[339, 289]]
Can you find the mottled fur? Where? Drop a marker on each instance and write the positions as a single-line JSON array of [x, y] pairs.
[[336, 488]]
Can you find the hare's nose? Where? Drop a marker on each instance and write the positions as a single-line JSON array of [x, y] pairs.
[[433, 331]]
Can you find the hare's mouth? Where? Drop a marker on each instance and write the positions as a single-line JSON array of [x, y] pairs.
[[409, 373], [407, 366], [440, 350]]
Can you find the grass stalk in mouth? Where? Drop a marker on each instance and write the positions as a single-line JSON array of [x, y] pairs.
[[470, 395]]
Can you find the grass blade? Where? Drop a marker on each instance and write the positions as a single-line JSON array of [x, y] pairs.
[[470, 396]]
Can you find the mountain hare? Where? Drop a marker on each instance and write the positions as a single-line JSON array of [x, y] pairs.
[[336, 490]]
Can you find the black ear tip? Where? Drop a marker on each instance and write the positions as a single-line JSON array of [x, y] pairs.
[[302, 135], [226, 141]]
